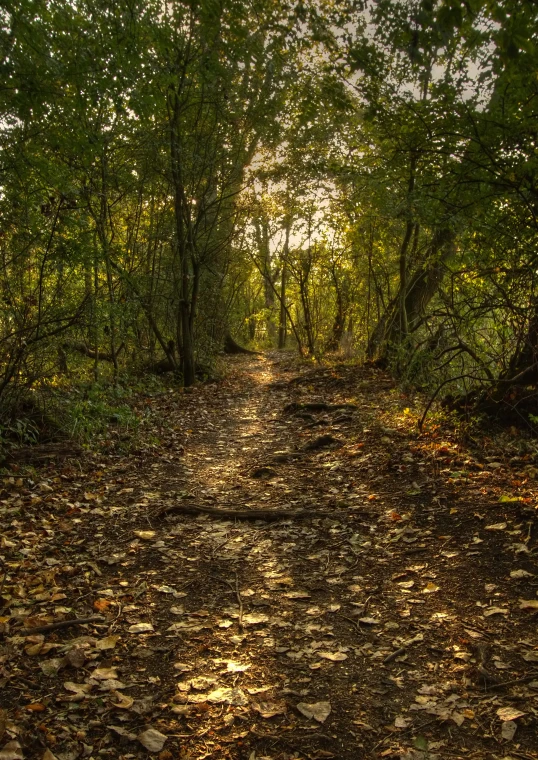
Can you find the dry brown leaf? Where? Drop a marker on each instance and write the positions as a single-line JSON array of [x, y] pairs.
[[123, 702], [319, 711], [528, 604], [269, 709], [509, 713]]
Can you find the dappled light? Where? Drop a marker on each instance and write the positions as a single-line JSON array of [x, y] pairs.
[[372, 590], [268, 379]]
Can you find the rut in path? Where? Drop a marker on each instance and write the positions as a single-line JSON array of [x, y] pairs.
[[391, 624]]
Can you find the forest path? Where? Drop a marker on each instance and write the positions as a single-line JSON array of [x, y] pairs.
[[391, 627]]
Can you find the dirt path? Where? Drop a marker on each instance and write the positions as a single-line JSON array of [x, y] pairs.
[[389, 626]]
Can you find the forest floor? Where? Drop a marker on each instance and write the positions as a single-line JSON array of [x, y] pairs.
[[390, 611]]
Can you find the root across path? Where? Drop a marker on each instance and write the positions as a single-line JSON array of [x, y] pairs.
[[285, 567]]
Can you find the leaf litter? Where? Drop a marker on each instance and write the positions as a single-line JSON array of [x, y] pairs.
[[401, 618]]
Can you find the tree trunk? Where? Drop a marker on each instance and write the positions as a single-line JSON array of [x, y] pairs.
[[282, 326], [184, 315], [421, 288]]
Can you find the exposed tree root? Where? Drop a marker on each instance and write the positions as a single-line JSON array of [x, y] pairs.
[[231, 347], [316, 406], [240, 514], [44, 452], [60, 624], [322, 442]]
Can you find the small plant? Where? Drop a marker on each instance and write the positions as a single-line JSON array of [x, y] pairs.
[[24, 432]]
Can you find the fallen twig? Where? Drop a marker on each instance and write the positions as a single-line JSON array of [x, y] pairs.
[[239, 602], [503, 684], [60, 624], [393, 655], [4, 568], [240, 514]]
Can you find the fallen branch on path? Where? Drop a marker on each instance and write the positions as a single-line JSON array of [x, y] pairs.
[[60, 624], [240, 514], [316, 406]]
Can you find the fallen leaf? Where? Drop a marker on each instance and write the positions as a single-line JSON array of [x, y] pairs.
[[320, 711], [33, 649], [185, 626], [520, 574], [145, 535], [202, 683], [76, 657], [152, 740], [495, 611], [109, 642], [120, 731], [123, 701], [104, 674], [236, 667], [141, 628], [47, 755], [431, 588], [80, 690], [269, 709], [255, 618], [229, 696], [51, 667], [11, 751], [333, 656], [101, 605], [509, 713], [528, 604], [496, 526], [508, 729]]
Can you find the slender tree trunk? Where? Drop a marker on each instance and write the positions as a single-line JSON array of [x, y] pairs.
[[305, 302], [420, 289], [282, 326], [95, 320], [186, 347]]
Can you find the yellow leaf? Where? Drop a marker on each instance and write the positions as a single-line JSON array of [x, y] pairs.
[[528, 604], [123, 701], [430, 588]]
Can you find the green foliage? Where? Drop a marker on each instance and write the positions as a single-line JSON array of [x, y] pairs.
[[315, 175], [91, 412], [23, 432]]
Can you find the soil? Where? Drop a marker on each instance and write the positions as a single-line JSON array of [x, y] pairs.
[[397, 619]]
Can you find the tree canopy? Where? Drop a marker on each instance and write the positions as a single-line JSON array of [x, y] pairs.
[[354, 177]]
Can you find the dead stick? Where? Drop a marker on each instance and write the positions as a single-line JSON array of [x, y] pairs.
[[4, 568], [61, 624], [393, 655], [503, 684], [240, 603], [241, 514]]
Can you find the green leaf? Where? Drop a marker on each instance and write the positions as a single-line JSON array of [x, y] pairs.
[[420, 742]]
